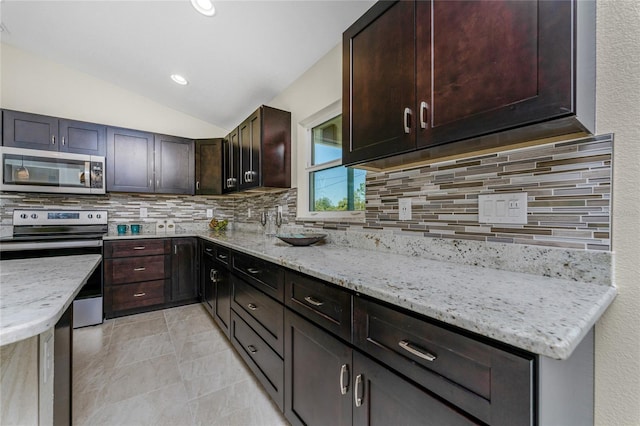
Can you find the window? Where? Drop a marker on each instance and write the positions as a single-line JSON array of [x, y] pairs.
[[333, 191]]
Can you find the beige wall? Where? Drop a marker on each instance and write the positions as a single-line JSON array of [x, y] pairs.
[[33, 84], [618, 111]]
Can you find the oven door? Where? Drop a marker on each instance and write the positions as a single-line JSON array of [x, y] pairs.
[[28, 170]]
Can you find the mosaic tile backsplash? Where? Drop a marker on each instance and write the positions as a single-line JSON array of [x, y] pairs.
[[568, 185]]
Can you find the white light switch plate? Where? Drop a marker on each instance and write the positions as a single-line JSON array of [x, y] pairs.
[[506, 208]]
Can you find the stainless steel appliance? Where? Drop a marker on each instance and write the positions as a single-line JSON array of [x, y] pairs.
[[32, 170], [44, 233]]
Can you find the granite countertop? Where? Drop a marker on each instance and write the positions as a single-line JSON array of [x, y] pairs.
[[34, 293], [542, 315]]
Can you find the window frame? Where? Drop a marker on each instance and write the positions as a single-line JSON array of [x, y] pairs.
[[306, 168]]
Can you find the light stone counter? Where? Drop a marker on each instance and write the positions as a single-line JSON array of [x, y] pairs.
[[542, 315], [34, 293], [546, 316]]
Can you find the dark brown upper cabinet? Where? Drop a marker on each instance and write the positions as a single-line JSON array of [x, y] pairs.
[[174, 165], [209, 166], [258, 152], [230, 153], [33, 131], [143, 162], [458, 77]]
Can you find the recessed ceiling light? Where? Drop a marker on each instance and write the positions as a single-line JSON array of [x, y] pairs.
[[179, 79], [204, 6]]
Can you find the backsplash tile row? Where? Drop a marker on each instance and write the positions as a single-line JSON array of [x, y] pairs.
[[568, 186]]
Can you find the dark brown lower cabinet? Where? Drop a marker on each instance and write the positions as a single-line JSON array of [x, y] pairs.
[[215, 279], [327, 382], [184, 277], [62, 369], [315, 364], [263, 361]]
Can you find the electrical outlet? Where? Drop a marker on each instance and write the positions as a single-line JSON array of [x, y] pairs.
[[143, 212], [404, 206], [279, 209], [209, 213], [507, 208]]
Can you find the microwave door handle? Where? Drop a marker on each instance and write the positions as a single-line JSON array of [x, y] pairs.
[[87, 174]]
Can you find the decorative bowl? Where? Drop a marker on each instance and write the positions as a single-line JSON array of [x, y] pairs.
[[301, 239]]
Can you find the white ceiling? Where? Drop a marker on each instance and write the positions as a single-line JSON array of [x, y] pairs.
[[240, 58]]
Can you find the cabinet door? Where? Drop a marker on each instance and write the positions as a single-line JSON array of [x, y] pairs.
[[230, 165], [222, 299], [184, 282], [174, 165], [83, 138], [383, 398], [129, 160], [496, 65], [31, 131], [249, 140], [207, 278], [209, 173], [379, 83], [275, 148], [318, 389]]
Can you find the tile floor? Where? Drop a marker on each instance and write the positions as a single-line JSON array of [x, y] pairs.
[[171, 367]]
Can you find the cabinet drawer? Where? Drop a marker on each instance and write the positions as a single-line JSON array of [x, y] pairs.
[[489, 383], [220, 254], [141, 247], [135, 269], [266, 276], [261, 359], [262, 313], [136, 295], [324, 304]]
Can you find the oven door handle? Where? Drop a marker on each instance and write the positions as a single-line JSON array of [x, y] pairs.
[[41, 245]]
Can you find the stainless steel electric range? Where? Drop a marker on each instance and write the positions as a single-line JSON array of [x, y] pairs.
[[45, 233]]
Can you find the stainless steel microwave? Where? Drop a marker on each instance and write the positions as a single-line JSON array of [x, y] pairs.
[[31, 170]]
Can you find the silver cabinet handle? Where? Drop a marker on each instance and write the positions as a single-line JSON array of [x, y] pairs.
[[150, 182], [252, 349], [142, 268], [222, 256], [344, 384], [213, 275], [139, 294], [252, 306], [253, 271], [63, 141], [157, 182], [407, 120], [424, 110], [357, 395], [314, 302], [404, 344], [198, 185], [175, 249], [139, 247], [53, 139]]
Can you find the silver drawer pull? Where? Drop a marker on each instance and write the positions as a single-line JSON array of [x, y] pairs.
[[253, 271], [139, 294], [139, 248], [344, 387], [357, 395], [424, 355], [208, 250], [252, 306], [314, 302], [252, 349], [222, 256], [142, 268]]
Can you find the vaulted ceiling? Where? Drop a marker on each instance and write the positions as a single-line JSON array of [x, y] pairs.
[[243, 56]]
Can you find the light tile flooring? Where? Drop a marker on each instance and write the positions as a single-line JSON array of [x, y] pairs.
[[171, 367]]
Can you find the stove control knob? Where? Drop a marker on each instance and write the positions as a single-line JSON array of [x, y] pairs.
[[90, 216], [24, 216], [34, 216], [98, 216]]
